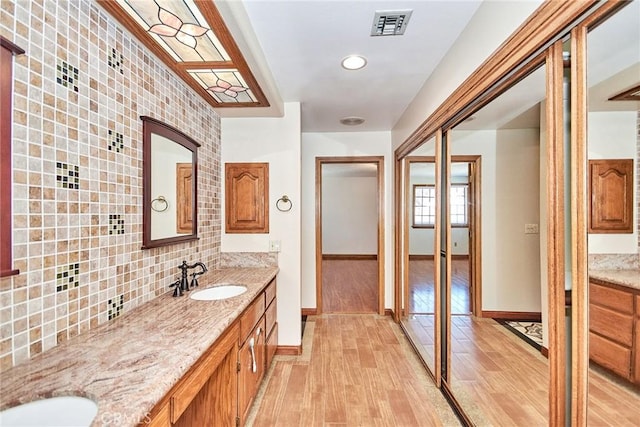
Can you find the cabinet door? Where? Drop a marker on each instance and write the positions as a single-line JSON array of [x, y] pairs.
[[636, 348], [611, 196], [251, 358], [247, 197]]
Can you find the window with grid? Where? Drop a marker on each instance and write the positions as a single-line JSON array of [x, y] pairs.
[[424, 205]]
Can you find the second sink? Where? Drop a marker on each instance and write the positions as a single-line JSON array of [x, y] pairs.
[[218, 292]]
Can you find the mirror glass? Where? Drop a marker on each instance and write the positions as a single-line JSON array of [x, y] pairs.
[[613, 123], [170, 185], [419, 300], [496, 299]]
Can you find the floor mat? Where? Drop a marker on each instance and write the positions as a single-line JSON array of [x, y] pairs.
[[529, 331]]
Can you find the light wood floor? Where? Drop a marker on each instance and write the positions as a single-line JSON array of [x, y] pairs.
[[360, 371], [350, 286], [501, 380], [421, 280]]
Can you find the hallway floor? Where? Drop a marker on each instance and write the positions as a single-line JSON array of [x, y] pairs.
[[421, 280], [355, 370], [350, 286]]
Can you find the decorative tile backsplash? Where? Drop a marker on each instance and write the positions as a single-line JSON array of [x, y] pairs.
[[116, 61], [67, 176], [67, 76], [116, 224], [115, 306], [67, 277], [77, 180], [116, 141]]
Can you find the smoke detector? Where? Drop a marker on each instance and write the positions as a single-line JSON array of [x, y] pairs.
[[390, 23]]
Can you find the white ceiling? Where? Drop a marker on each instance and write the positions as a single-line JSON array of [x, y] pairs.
[[304, 41], [294, 48]]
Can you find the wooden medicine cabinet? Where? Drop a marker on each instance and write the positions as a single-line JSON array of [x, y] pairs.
[[247, 197], [611, 196]]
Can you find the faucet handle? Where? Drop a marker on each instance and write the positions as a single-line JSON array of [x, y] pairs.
[[177, 290], [194, 281]]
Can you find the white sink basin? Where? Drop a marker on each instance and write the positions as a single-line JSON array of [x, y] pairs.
[[65, 411], [222, 291]]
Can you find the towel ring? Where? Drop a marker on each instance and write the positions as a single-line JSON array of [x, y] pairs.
[[159, 204], [284, 201]]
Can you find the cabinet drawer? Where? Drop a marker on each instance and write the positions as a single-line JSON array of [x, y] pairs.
[[270, 292], [610, 355], [612, 298], [272, 345], [271, 316], [251, 316], [636, 350], [613, 325]]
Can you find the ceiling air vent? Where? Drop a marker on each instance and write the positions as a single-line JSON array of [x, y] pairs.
[[390, 23]]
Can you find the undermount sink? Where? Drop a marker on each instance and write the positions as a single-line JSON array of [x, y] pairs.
[[218, 292], [55, 411]]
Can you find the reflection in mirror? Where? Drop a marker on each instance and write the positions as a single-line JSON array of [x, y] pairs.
[[613, 68], [170, 191], [497, 373], [420, 209], [171, 181]]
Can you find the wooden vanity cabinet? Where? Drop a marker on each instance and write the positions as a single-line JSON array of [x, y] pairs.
[[271, 322], [207, 396], [614, 322], [254, 357], [219, 389]]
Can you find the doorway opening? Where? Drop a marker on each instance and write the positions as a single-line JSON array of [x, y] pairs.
[[466, 291], [350, 234]]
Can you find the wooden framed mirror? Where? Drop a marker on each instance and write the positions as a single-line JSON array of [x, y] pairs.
[[170, 185]]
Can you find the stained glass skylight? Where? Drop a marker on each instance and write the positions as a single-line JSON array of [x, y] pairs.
[[188, 36]]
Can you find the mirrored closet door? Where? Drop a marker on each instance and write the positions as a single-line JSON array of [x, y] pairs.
[[613, 225], [497, 372]]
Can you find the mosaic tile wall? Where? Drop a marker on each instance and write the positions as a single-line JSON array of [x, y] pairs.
[[77, 158]]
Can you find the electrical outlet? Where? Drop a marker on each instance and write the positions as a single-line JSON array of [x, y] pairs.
[[274, 245], [531, 229]]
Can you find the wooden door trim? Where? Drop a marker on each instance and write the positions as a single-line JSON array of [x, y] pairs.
[[546, 23], [555, 155], [379, 162]]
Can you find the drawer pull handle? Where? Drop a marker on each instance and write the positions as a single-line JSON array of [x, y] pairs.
[[254, 365]]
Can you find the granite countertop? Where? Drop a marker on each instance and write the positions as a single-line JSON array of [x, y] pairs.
[[628, 278], [128, 365]]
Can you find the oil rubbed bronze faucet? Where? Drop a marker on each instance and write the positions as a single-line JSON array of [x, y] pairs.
[[182, 284]]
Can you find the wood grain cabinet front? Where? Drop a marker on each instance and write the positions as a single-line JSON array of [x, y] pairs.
[[611, 189], [247, 197], [256, 351], [207, 395], [221, 386], [614, 329]]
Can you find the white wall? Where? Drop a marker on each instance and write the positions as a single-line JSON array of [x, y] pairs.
[[349, 215], [342, 144], [276, 141], [517, 203], [491, 25], [510, 199], [612, 135]]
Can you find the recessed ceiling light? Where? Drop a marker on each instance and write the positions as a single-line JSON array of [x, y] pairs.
[[352, 121], [354, 62]]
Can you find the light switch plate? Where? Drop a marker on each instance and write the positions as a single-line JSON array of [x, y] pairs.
[[531, 229], [274, 245]]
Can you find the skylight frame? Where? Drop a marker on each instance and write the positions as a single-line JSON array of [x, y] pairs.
[[194, 23]]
